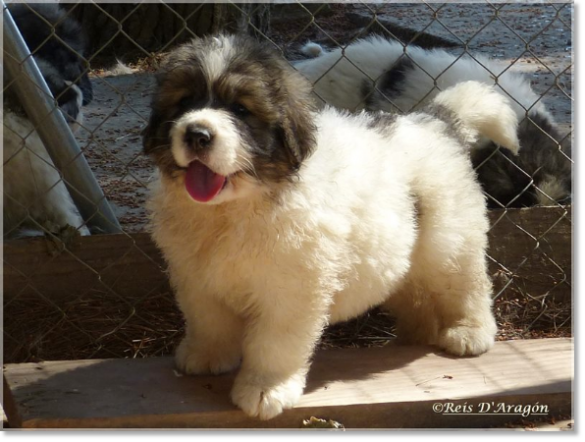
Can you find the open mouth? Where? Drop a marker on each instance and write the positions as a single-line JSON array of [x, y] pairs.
[[202, 183]]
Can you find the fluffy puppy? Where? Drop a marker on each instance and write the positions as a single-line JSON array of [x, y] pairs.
[[379, 74], [35, 197], [277, 220]]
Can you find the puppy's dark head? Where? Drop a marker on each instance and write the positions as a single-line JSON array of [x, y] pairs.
[[57, 40], [539, 175], [231, 107]]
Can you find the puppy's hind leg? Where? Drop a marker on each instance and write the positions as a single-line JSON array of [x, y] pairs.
[[459, 291], [416, 321], [465, 306], [449, 265]]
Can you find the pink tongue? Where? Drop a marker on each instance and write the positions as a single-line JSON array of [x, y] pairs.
[[202, 183]]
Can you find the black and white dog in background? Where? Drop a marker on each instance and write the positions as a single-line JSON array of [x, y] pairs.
[[379, 74], [35, 198]]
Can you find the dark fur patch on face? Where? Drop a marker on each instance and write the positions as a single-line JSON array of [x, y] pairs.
[[513, 180], [268, 101]]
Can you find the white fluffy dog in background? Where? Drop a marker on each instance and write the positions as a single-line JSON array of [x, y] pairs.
[[379, 74], [35, 198], [277, 219]]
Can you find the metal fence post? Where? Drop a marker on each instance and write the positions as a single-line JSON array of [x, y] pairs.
[[32, 91]]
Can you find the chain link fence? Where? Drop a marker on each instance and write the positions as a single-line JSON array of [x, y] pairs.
[[74, 288]]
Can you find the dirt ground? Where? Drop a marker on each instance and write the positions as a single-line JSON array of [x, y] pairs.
[[112, 143], [535, 38]]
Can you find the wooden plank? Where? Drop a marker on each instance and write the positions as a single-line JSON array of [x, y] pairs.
[[389, 387], [9, 408], [130, 265], [126, 264]]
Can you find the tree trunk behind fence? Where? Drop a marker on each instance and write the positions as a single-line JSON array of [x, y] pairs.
[[121, 30]]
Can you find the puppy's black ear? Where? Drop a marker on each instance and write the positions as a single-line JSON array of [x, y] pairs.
[[151, 138], [156, 132], [297, 125]]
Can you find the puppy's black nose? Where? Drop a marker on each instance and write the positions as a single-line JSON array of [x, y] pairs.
[[197, 137]]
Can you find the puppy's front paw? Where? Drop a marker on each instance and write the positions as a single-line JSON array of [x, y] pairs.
[[263, 399], [466, 340], [194, 358]]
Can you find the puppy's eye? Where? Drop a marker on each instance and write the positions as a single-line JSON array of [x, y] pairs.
[[239, 110]]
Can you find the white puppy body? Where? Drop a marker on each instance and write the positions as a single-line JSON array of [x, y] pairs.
[[339, 76], [384, 210], [259, 277], [33, 187]]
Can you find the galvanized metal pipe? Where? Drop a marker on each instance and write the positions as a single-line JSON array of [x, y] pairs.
[[33, 93]]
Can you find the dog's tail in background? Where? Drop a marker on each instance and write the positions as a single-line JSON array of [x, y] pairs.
[[481, 111], [312, 50]]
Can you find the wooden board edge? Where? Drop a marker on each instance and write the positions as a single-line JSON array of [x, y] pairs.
[[9, 406], [403, 415]]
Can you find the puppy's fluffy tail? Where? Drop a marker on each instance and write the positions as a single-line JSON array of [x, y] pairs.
[[312, 50], [480, 110]]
